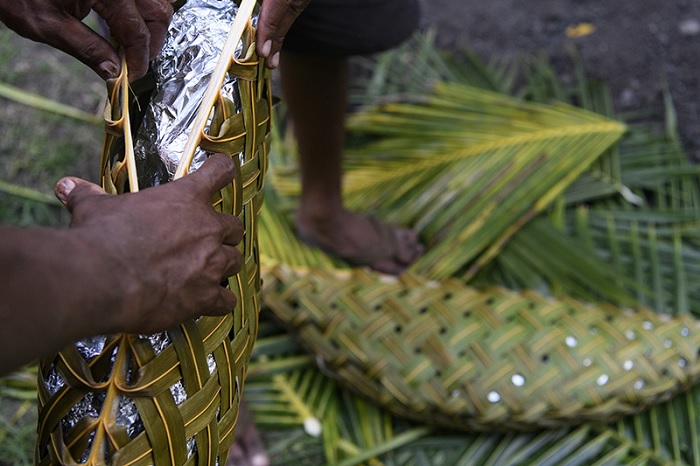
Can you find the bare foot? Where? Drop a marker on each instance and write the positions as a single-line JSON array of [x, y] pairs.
[[361, 240], [247, 448]]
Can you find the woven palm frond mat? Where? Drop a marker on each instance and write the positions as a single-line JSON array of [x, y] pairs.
[[466, 358], [171, 398]]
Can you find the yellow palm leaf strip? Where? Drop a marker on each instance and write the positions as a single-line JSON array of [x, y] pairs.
[[227, 420], [246, 90], [164, 427], [129, 157], [145, 358], [141, 456], [214, 87], [118, 162], [199, 411], [214, 332], [194, 367], [156, 373], [77, 371], [100, 447], [227, 132]]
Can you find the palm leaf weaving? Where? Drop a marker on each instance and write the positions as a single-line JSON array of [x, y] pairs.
[[487, 359], [171, 398]]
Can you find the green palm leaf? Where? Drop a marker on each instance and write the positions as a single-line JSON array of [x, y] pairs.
[[497, 163]]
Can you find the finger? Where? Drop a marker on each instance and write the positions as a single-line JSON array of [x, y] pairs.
[[232, 228], [276, 17], [157, 15], [225, 302], [388, 266], [73, 37], [408, 247], [215, 173], [128, 27], [70, 191], [234, 261]]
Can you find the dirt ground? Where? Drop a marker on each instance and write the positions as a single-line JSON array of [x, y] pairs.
[[639, 48]]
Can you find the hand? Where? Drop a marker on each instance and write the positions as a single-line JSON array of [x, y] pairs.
[[160, 253], [276, 17], [138, 25]]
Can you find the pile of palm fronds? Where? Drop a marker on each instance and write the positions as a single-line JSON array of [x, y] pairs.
[[518, 192]]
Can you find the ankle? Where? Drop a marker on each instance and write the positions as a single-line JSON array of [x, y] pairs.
[[319, 212]]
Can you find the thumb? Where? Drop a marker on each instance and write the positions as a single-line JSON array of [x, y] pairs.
[[215, 173], [70, 190]]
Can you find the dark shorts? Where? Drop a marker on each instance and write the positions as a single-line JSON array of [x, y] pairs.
[[352, 27]]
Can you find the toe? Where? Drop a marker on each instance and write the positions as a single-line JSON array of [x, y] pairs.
[[388, 266], [408, 247]]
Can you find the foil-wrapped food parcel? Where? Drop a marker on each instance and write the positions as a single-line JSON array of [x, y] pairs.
[[182, 70]]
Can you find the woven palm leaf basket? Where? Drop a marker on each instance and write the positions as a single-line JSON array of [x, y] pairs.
[[171, 398]]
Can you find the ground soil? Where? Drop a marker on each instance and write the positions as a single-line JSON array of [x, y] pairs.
[[638, 48]]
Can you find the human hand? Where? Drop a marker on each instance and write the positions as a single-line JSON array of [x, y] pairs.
[[140, 27], [276, 17], [159, 254]]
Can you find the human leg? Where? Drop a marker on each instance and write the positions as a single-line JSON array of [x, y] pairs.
[[315, 91]]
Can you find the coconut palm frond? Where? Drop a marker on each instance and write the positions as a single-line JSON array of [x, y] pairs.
[[657, 169], [467, 168], [294, 398], [658, 250], [643, 228], [522, 265], [669, 430], [21, 96]]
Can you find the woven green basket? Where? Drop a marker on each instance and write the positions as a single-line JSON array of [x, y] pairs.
[[205, 357]]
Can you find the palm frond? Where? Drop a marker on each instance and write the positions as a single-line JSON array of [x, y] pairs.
[[21, 96]]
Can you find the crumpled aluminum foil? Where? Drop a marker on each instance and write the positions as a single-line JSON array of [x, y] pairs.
[[182, 70]]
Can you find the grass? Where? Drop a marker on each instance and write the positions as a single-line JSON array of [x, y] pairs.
[[38, 146]]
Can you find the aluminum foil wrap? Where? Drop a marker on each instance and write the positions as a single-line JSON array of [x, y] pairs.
[[182, 70]]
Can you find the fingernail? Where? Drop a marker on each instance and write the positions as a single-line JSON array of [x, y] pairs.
[[275, 60], [267, 46], [64, 188], [108, 70]]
